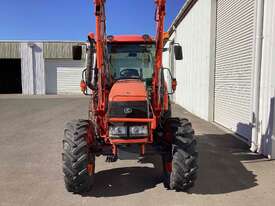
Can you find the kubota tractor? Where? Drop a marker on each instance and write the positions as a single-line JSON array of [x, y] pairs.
[[129, 106]]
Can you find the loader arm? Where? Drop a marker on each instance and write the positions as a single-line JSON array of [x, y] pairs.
[[101, 45], [102, 64], [100, 97], [159, 18]]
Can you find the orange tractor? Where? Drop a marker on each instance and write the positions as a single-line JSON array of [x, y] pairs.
[[129, 106]]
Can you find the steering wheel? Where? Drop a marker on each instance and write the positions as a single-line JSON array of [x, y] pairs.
[[129, 73]]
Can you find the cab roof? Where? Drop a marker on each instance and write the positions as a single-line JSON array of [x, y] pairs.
[[134, 38], [130, 38]]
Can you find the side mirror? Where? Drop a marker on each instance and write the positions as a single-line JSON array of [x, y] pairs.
[[77, 52], [178, 52]]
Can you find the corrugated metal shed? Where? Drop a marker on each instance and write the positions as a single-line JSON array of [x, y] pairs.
[[33, 55], [9, 50], [231, 61], [59, 50], [235, 65], [193, 71]]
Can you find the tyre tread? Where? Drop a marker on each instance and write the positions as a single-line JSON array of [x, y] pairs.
[[75, 158], [184, 163]]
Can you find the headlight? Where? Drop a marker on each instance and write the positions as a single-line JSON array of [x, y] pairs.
[[138, 130], [116, 131]]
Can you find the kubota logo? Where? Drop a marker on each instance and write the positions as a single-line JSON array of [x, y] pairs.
[[128, 110]]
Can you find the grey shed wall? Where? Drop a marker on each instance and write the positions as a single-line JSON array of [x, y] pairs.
[[9, 50], [59, 50]]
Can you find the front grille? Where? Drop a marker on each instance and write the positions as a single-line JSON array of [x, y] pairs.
[[128, 109]]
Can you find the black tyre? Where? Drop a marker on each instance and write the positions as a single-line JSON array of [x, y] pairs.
[[77, 159], [182, 155]]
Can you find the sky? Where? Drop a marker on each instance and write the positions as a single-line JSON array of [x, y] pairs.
[[74, 19]]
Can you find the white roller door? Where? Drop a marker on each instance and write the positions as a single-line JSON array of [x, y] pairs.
[[234, 65], [63, 76]]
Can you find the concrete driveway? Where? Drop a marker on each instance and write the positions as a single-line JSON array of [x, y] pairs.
[[31, 130]]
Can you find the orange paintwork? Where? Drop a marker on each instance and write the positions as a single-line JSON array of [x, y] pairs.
[[83, 86], [160, 14], [129, 39], [91, 35], [91, 169], [166, 36], [128, 90], [140, 120], [125, 90], [128, 141]]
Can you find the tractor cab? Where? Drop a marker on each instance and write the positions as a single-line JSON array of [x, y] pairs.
[[132, 57], [131, 64], [129, 114]]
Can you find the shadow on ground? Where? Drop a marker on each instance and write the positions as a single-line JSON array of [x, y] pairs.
[[221, 170], [127, 180]]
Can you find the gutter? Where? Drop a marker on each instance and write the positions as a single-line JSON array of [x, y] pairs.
[[182, 13], [257, 76]]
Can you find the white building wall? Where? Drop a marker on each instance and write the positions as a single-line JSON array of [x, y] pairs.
[[267, 92], [192, 73], [39, 70], [165, 56], [195, 73], [165, 64], [32, 68], [27, 69], [63, 76]]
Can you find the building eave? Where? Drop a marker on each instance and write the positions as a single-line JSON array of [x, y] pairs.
[[182, 13]]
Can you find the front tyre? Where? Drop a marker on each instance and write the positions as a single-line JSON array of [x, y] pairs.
[[78, 162], [182, 156]]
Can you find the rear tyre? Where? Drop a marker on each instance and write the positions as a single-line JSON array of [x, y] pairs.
[[182, 156], [77, 159]]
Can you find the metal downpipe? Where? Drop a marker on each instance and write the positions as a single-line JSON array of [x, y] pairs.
[[257, 75]]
